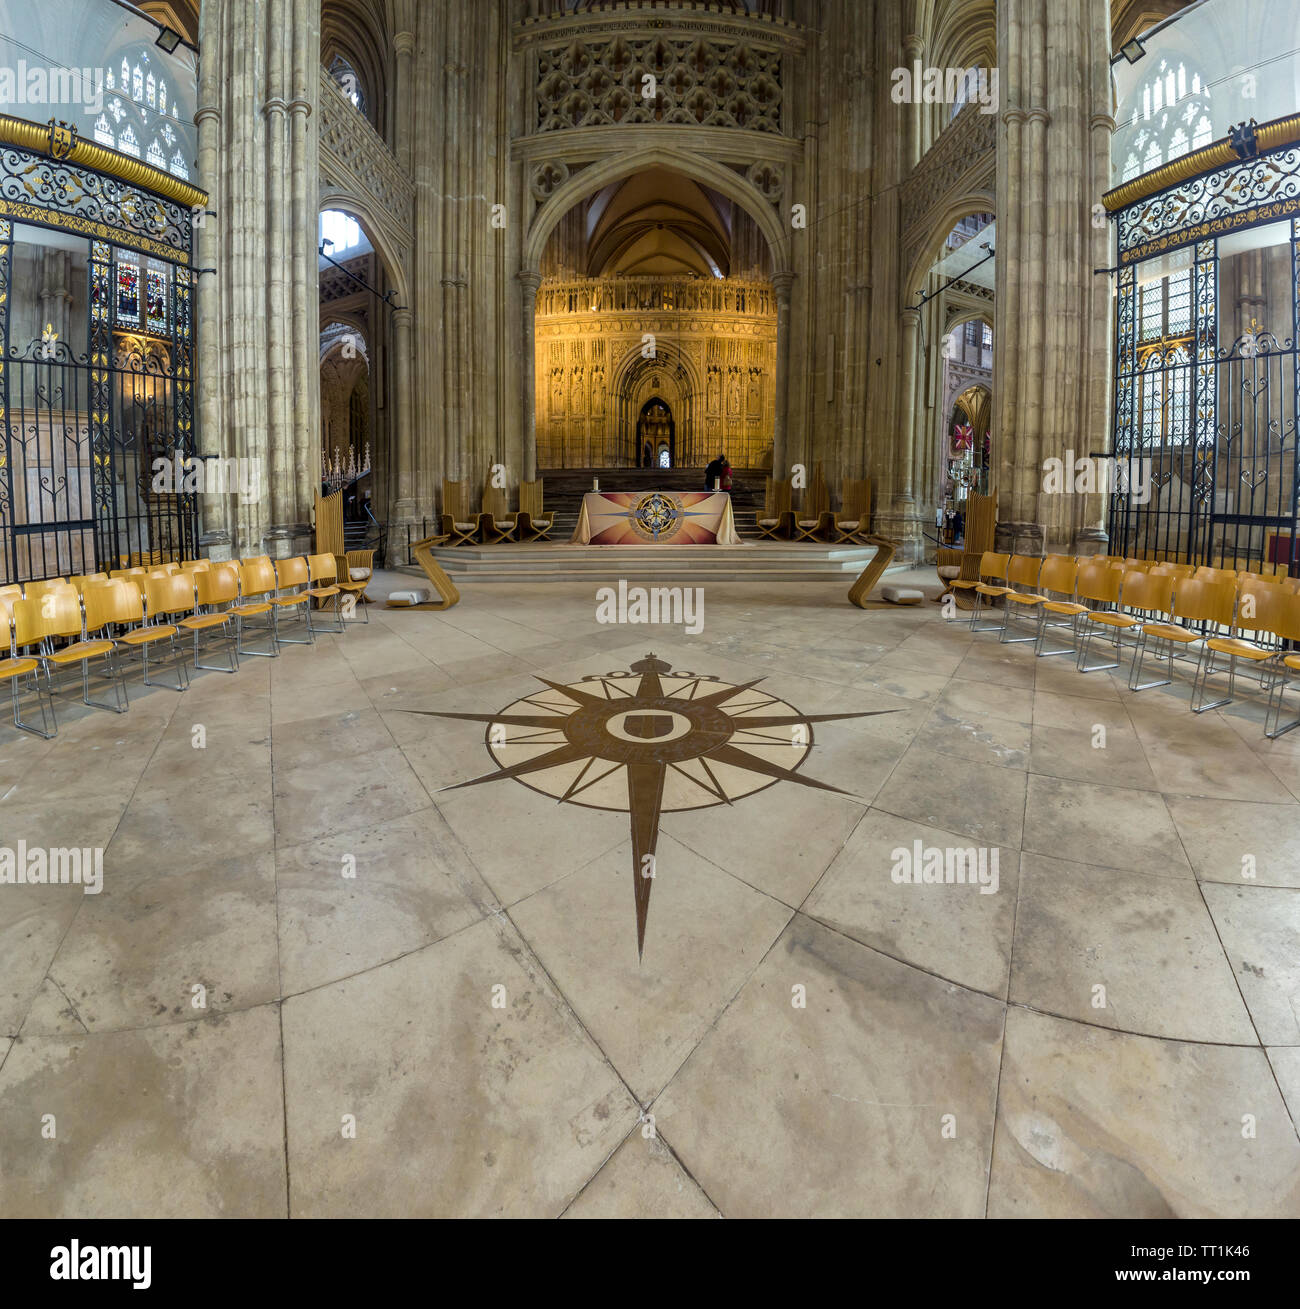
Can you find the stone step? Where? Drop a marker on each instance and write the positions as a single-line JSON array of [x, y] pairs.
[[658, 565]]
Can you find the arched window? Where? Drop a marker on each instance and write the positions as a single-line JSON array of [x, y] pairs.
[[348, 80], [341, 231], [1175, 119]]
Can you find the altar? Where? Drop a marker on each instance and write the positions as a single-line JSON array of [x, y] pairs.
[[656, 518]]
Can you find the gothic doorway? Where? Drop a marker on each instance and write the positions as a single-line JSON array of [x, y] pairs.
[[657, 434]]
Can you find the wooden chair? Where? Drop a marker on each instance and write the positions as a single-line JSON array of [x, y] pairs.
[[1140, 593], [1196, 600], [1269, 613], [322, 572], [354, 588], [852, 522], [777, 522], [959, 570], [165, 596], [43, 619], [532, 518], [456, 522], [293, 583], [1287, 626], [496, 523], [18, 670], [1025, 571], [256, 587], [815, 515], [215, 589]]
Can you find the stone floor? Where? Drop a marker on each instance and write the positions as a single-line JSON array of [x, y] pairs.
[[464, 1027]]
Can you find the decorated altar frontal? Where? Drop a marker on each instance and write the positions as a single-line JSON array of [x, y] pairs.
[[656, 518]]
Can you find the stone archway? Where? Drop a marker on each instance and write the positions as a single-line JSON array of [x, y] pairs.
[[589, 182]]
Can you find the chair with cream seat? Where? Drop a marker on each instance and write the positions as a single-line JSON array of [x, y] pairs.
[[994, 567], [23, 672], [533, 522], [1258, 613], [777, 520], [57, 614], [1197, 600], [814, 516], [354, 590], [256, 588], [1140, 594], [215, 590], [293, 597], [457, 522], [165, 596], [852, 521], [1022, 596]]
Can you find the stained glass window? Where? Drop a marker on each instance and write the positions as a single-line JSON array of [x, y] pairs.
[[128, 293], [156, 299], [127, 142], [155, 155], [151, 91]]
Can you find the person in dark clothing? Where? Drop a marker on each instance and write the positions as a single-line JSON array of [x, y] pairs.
[[714, 472]]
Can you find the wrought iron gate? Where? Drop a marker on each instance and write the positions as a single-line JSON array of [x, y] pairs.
[[1206, 429], [83, 430]]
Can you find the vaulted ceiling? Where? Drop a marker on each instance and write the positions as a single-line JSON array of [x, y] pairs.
[[658, 222]]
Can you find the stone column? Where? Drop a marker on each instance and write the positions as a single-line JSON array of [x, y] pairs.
[[215, 524], [1052, 321], [910, 322], [915, 144], [404, 48], [258, 314], [782, 282], [403, 508], [529, 283]]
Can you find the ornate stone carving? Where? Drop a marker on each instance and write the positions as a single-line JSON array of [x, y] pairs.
[[767, 179], [691, 80], [353, 157], [963, 156], [547, 176], [712, 363]]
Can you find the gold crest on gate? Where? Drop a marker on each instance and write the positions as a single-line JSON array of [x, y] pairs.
[[62, 139]]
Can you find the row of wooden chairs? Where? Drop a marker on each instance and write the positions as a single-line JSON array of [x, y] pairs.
[[458, 524], [94, 621], [815, 520], [1225, 613]]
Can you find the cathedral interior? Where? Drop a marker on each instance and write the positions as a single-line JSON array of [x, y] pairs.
[[924, 375]]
